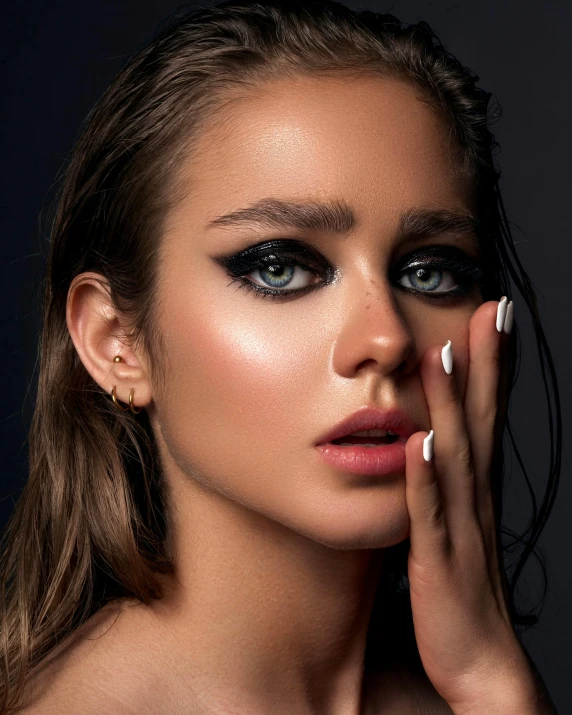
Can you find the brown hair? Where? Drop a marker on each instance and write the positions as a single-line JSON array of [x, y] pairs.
[[91, 523]]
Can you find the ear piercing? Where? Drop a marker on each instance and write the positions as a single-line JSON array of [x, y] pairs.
[[118, 358]]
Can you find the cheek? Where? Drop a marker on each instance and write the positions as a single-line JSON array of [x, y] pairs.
[[238, 368]]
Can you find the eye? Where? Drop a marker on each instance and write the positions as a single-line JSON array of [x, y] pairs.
[[278, 269], [276, 276], [428, 277], [439, 272], [278, 273]]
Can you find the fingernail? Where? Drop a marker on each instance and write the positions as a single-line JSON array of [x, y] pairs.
[[501, 313], [447, 357], [428, 447], [509, 318]]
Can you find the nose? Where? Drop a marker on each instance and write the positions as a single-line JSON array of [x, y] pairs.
[[374, 333]]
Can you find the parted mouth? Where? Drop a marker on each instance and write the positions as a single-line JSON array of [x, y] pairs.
[[368, 438], [368, 419]]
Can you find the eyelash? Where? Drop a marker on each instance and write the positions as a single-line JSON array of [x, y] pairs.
[[465, 270]]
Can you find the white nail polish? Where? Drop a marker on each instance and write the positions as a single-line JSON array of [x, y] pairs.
[[447, 357], [501, 313], [428, 447], [509, 318]]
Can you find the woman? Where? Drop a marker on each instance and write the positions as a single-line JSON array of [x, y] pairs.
[[206, 527]]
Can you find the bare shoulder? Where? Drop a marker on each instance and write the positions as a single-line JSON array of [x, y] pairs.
[[403, 691], [86, 675]]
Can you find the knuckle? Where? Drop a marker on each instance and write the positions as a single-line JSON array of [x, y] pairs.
[[488, 413], [463, 454], [435, 515]]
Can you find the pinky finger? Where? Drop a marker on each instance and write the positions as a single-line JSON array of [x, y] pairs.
[[428, 530]]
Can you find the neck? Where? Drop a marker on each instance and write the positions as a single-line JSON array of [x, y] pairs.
[[270, 615]]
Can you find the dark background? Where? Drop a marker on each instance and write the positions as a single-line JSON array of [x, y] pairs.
[[58, 58]]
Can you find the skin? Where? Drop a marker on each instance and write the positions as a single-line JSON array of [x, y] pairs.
[[277, 553]]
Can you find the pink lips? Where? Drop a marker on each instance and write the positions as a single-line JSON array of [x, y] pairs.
[[373, 418], [370, 461]]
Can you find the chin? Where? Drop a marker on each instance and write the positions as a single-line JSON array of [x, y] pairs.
[[352, 529]]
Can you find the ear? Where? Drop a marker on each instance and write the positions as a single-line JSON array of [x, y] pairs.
[[99, 334]]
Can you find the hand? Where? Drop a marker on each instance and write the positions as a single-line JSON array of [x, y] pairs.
[[465, 638]]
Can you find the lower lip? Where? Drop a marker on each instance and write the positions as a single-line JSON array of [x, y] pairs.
[[370, 461]]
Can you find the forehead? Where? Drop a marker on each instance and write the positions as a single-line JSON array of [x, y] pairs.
[[370, 141]]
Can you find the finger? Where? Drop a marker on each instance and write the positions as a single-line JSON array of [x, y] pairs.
[[481, 395], [428, 531], [453, 457], [485, 411]]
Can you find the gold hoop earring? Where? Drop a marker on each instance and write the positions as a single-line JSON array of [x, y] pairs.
[[135, 411], [123, 409]]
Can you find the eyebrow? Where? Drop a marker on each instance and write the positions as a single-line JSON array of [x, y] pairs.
[[338, 218]]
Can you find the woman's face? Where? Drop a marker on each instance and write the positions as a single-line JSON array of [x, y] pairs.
[[255, 380]]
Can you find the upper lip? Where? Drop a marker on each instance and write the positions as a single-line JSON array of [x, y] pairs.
[[369, 417]]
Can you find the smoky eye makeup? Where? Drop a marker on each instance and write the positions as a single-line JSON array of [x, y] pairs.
[[287, 267]]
